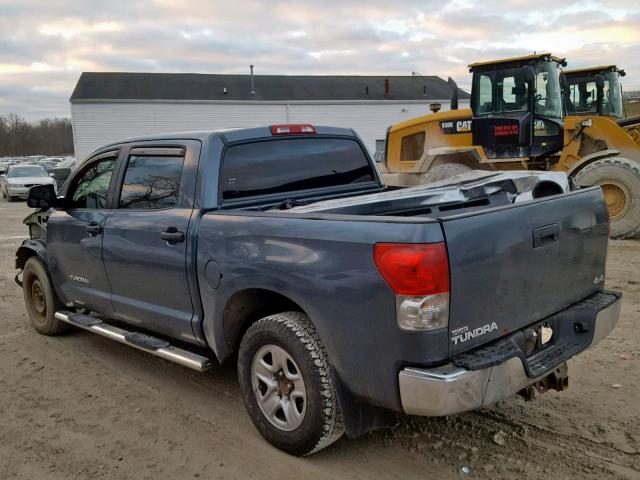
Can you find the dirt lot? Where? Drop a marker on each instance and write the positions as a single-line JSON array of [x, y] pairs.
[[80, 406]]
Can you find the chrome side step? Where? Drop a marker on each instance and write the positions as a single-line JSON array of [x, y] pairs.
[[159, 348]]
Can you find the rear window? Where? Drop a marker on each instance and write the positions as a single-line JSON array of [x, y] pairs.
[[287, 165]]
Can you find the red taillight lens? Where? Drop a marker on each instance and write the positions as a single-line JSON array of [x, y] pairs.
[[413, 269], [292, 128]]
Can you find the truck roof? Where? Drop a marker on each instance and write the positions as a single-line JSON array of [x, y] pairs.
[[229, 134]]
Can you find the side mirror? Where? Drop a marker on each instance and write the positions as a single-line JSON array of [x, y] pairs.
[[528, 75], [42, 196], [600, 94], [587, 123]]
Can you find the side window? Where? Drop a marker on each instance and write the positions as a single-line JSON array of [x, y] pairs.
[[151, 182], [90, 188], [508, 91], [485, 96], [412, 147]]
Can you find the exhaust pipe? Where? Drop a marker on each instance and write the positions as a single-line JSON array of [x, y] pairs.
[[454, 94]]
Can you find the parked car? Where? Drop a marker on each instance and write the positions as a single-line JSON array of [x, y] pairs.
[[62, 170], [19, 178], [343, 302]]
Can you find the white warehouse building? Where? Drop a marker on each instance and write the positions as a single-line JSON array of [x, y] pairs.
[[111, 106]]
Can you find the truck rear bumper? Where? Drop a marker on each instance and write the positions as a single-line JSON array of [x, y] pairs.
[[452, 388]]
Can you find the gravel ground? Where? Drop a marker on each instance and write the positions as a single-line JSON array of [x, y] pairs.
[[80, 407]]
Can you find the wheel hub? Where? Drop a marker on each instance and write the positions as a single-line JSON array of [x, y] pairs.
[[278, 387], [37, 295], [285, 386], [617, 198]]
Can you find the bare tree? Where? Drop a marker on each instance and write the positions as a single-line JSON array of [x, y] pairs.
[[51, 136]]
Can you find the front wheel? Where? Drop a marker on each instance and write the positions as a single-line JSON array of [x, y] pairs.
[[287, 384], [619, 179], [40, 299]]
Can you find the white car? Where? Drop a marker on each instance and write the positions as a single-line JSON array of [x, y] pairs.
[[20, 178]]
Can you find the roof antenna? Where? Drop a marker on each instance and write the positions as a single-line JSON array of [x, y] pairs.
[[253, 87]]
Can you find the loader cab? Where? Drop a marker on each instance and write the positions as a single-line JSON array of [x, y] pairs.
[[595, 91], [517, 107]]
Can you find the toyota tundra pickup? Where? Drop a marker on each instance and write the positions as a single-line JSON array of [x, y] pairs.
[[344, 302]]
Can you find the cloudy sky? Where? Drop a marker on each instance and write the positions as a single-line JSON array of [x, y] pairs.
[[46, 44]]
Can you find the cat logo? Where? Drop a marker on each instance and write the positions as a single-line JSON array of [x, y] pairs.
[[452, 127]]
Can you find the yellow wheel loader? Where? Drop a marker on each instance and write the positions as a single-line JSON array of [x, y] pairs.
[[517, 121]]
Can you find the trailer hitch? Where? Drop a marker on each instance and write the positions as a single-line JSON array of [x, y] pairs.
[[558, 380]]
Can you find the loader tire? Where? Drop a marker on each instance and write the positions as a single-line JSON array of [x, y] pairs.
[[619, 179], [444, 171]]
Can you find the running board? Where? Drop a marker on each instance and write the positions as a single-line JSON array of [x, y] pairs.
[[141, 341]]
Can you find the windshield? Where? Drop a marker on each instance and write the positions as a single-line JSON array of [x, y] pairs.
[[499, 92], [505, 91], [548, 93], [27, 172], [583, 94]]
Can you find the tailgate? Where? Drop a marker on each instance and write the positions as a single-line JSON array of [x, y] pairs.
[[512, 266]]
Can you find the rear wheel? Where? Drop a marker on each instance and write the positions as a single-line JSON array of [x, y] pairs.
[[40, 299], [619, 179], [287, 384], [444, 171]]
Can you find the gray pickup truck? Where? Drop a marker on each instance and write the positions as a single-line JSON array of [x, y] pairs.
[[343, 301]]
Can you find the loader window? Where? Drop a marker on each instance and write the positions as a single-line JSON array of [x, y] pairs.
[[485, 97], [412, 147], [548, 95], [583, 97], [500, 91]]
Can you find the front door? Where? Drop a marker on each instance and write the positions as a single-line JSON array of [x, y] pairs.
[[74, 237], [145, 241]]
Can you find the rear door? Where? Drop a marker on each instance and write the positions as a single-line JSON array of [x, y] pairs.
[[74, 236], [511, 266], [145, 240]]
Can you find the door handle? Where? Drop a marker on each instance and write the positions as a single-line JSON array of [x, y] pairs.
[[172, 235], [546, 235], [94, 228]]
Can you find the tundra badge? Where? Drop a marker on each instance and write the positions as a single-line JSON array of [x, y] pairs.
[[462, 334]]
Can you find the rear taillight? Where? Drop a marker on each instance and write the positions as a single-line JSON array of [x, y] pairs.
[[293, 128], [419, 276]]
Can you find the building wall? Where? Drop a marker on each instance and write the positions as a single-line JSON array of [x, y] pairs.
[[95, 124]]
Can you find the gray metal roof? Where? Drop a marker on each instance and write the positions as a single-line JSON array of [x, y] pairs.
[[115, 86]]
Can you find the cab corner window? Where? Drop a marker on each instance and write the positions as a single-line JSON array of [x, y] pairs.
[[151, 182], [412, 147], [90, 188]]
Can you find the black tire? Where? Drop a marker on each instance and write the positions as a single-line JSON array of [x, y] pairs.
[[321, 422], [40, 299], [620, 181], [444, 171]]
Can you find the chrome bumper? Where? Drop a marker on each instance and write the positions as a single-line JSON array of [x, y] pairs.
[[449, 389]]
